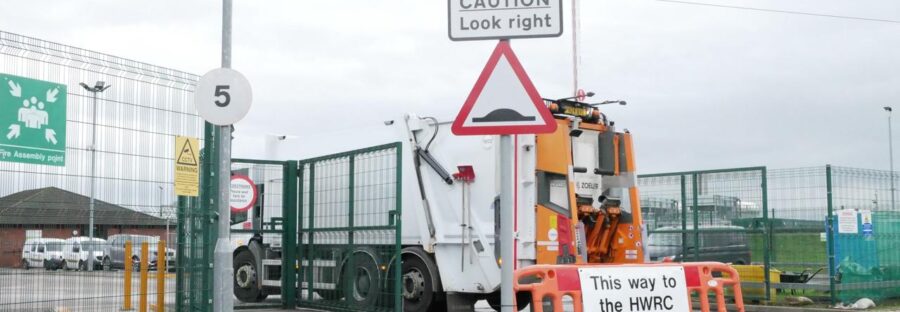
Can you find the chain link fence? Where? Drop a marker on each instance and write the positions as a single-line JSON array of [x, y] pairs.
[[64, 151]]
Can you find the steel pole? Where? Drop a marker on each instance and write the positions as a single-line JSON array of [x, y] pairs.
[[223, 270], [575, 29], [506, 223], [90, 259], [891, 153]]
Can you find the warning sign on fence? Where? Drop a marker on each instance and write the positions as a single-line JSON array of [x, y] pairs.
[[621, 288], [187, 167]]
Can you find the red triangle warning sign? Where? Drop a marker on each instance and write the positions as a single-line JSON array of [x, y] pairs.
[[503, 101]]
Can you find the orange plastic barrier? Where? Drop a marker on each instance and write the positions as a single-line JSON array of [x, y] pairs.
[[557, 281]]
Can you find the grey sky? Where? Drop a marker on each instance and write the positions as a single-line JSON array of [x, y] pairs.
[[707, 87]]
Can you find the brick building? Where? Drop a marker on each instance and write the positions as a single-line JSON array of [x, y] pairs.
[[55, 213]]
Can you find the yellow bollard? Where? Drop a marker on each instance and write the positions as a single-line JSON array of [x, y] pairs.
[[161, 276], [127, 284], [145, 263]]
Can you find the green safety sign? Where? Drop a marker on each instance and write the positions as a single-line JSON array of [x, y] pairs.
[[32, 121]]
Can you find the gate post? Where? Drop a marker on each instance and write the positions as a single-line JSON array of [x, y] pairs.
[[829, 232], [289, 236], [767, 230]]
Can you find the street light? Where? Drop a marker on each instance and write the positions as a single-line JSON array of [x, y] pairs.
[[100, 86], [889, 110], [620, 102]]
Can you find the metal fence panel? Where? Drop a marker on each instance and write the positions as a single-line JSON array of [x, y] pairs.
[[350, 230], [711, 215], [272, 219], [865, 258], [133, 124]]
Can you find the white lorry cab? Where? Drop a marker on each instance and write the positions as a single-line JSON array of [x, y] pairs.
[[76, 251], [42, 253]]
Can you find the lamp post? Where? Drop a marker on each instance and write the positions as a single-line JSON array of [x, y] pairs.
[[99, 87], [889, 110]]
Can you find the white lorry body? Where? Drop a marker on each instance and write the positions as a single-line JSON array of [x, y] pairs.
[[466, 264]]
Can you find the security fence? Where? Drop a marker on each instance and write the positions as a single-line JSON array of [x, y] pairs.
[[71, 152], [712, 215], [350, 230], [827, 233]]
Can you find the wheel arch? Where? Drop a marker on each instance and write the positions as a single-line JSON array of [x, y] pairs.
[[420, 253]]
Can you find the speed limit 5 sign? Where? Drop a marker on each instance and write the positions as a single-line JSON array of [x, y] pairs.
[[223, 96]]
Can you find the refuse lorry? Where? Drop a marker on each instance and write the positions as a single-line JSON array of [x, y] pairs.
[[575, 202]]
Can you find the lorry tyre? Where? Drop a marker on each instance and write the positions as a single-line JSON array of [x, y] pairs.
[[361, 281], [246, 287], [417, 288]]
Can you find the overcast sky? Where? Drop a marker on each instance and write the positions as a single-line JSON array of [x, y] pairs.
[[707, 87]]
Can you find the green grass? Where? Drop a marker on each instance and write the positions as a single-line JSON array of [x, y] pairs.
[[790, 248]]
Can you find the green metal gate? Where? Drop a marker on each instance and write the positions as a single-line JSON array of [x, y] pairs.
[[711, 215], [273, 218], [350, 208]]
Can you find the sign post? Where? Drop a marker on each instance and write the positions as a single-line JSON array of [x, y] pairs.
[[32, 121], [504, 102], [223, 97]]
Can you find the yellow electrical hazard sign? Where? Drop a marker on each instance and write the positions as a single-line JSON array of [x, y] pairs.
[[187, 167]]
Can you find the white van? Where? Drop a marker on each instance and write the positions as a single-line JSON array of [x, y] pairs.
[[42, 253], [78, 249]]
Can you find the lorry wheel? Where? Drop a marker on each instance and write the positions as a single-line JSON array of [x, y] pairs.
[[25, 264], [418, 291], [246, 288], [361, 281]]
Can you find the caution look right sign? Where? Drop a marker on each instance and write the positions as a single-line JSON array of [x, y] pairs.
[[187, 167]]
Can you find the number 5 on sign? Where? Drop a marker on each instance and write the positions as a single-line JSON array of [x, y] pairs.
[[223, 96]]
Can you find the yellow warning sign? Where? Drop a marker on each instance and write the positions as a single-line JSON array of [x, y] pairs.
[[187, 169]]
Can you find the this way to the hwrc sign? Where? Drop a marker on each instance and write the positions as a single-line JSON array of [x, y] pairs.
[[633, 289]]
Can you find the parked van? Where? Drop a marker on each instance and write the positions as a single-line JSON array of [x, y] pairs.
[[721, 243], [115, 257], [42, 253], [76, 251]]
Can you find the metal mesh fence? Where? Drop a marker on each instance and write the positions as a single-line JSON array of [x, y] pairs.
[[799, 207], [826, 233], [865, 233], [350, 230], [713, 215], [49, 137], [266, 224]]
